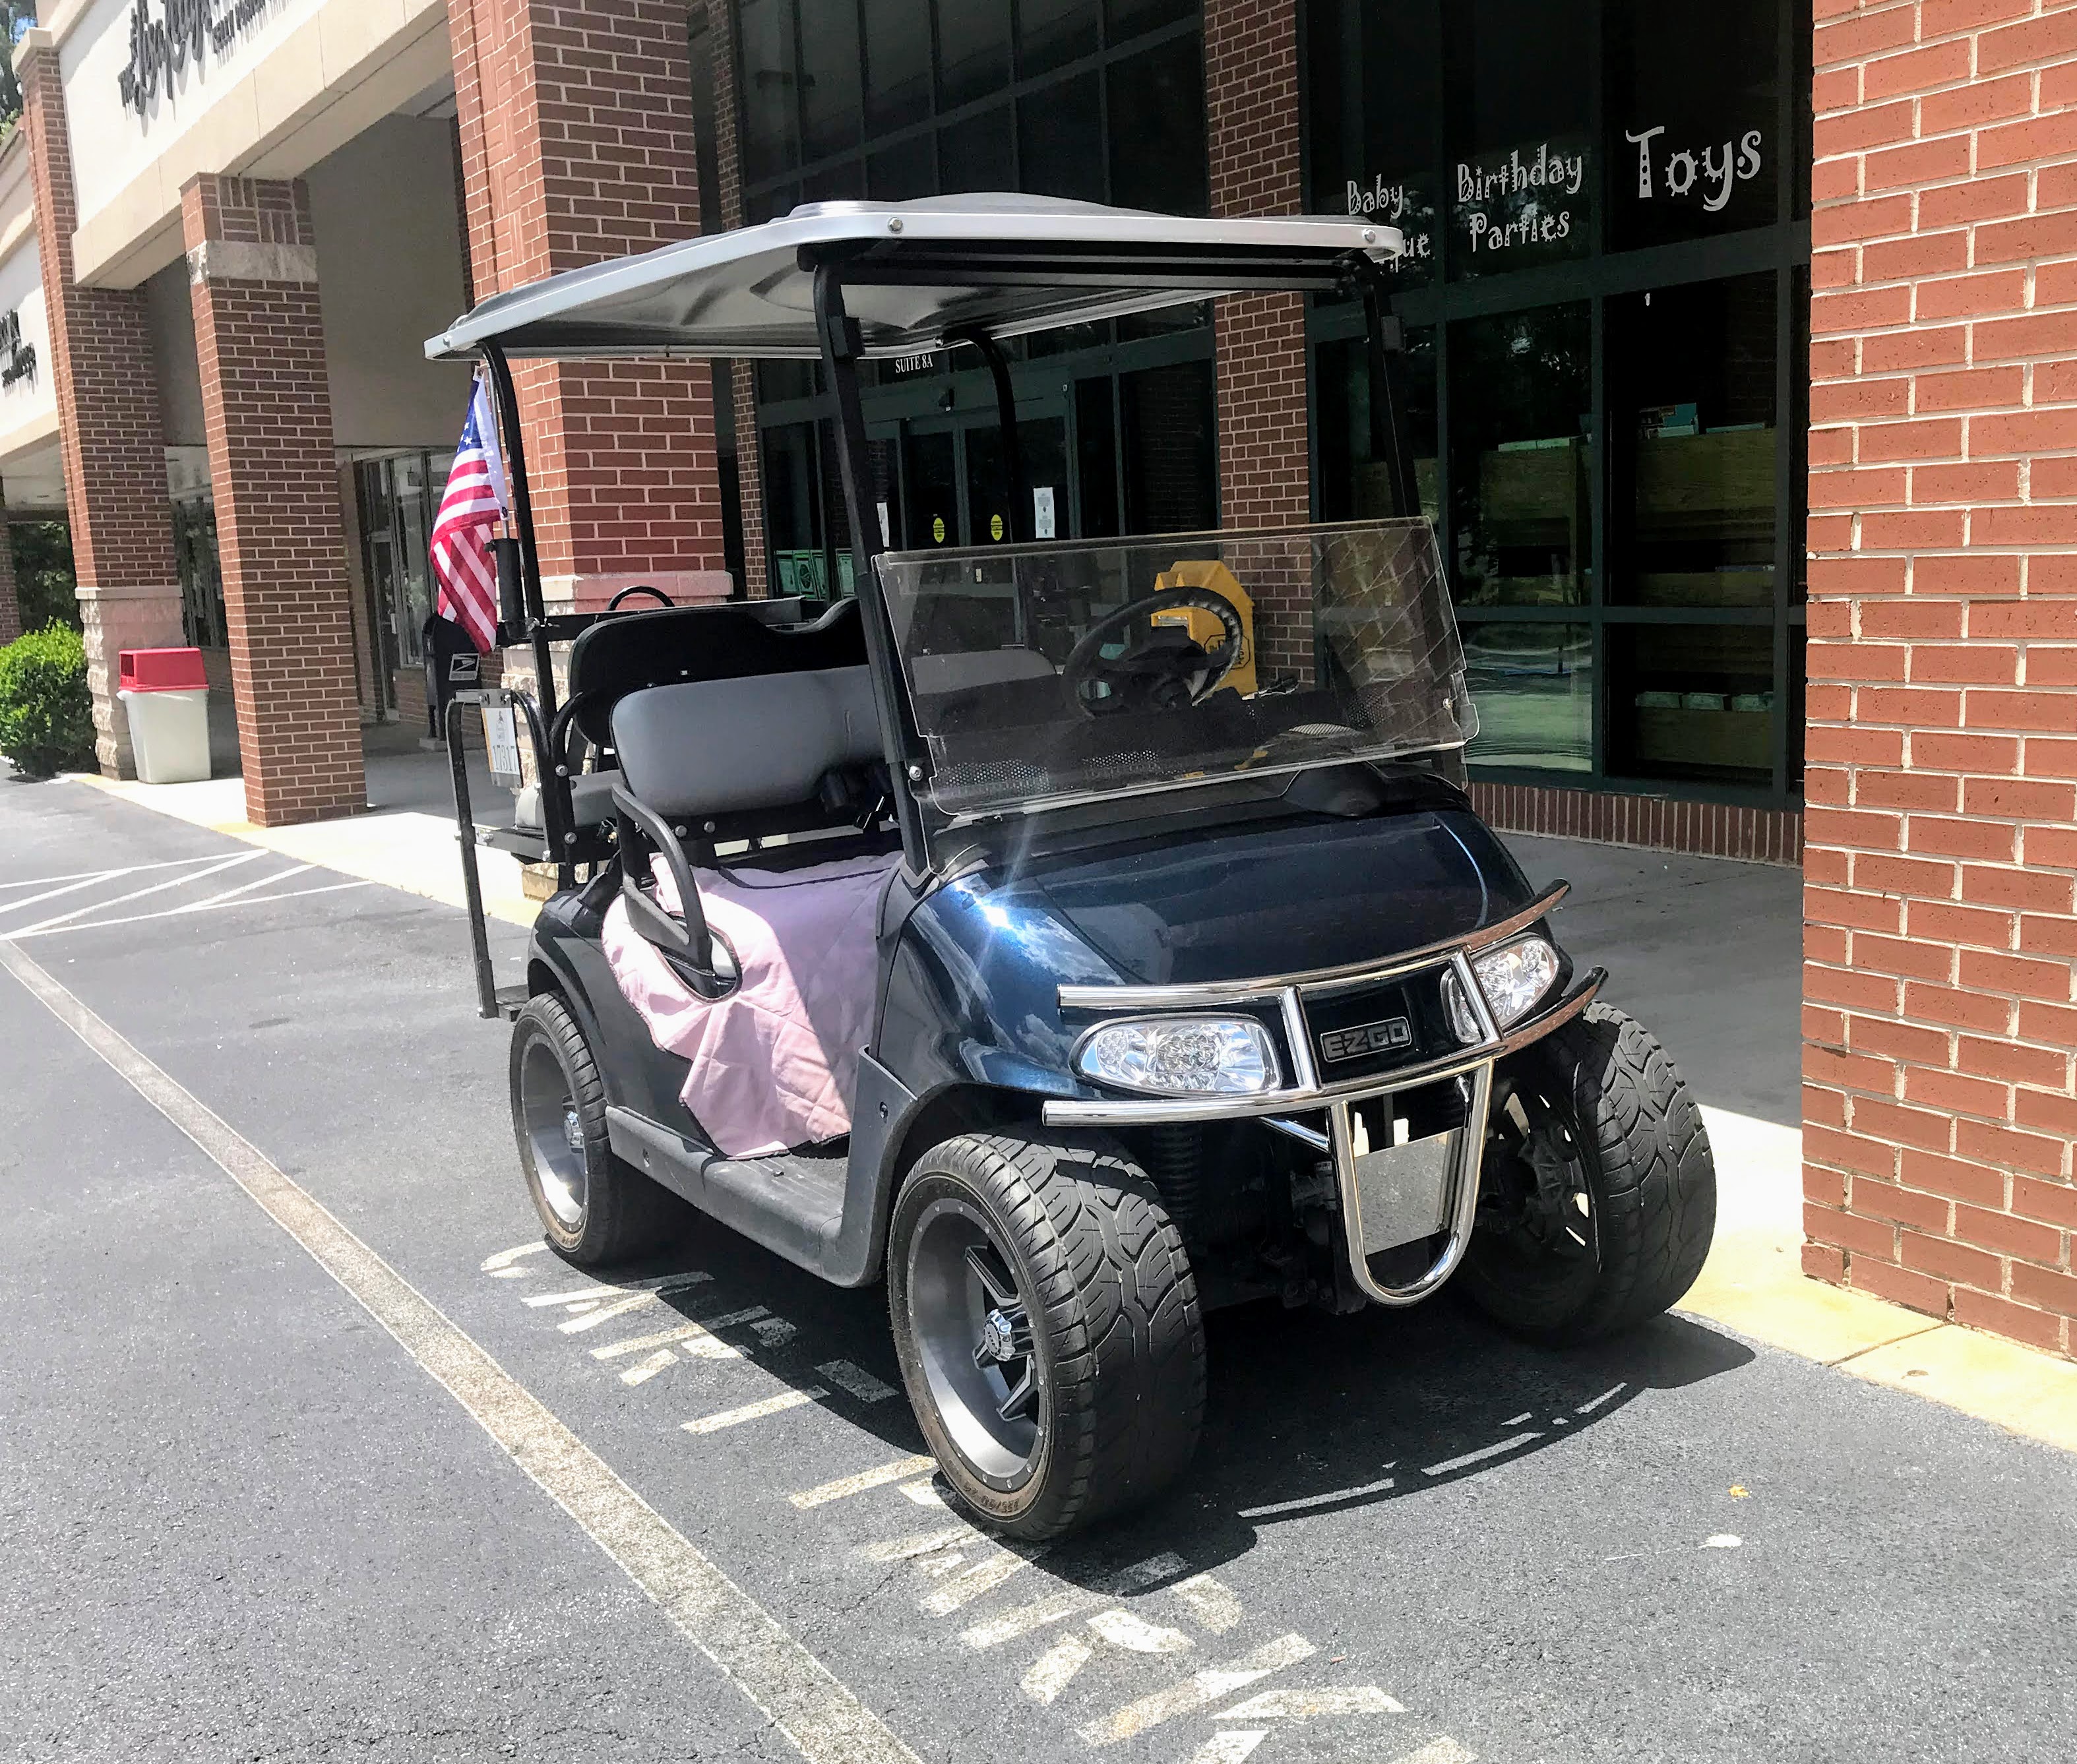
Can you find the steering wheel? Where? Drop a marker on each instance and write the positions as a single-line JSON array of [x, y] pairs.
[[613, 606], [1152, 675]]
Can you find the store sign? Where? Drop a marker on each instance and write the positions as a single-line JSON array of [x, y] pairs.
[[908, 364], [1400, 205], [1681, 176], [161, 49], [18, 360], [1532, 198]]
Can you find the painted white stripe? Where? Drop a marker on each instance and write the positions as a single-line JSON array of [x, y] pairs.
[[755, 1411], [1608, 1396], [787, 1684], [664, 1283], [1498, 1448], [1212, 1685], [983, 1577], [695, 1340], [634, 1301], [501, 1266], [1212, 1604], [844, 1487], [1300, 1705], [1050, 1675], [1072, 1601], [642, 1370], [175, 912], [248, 887], [773, 1332], [138, 894], [924, 1493], [924, 1544], [69, 887], [1444, 1750], [1136, 1635], [1305, 1502], [102, 875], [1228, 1748], [857, 1380]]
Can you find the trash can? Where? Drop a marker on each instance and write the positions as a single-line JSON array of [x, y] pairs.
[[165, 695]]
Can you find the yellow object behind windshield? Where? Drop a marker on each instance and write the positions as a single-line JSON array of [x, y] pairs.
[[1206, 629]]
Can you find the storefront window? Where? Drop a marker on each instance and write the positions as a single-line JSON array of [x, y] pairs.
[[1060, 140], [1157, 130], [1692, 701], [977, 153], [1533, 686], [973, 49], [1375, 149], [832, 83], [1522, 458], [770, 88], [897, 62], [1355, 484], [1051, 33]]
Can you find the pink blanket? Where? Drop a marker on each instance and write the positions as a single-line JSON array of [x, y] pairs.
[[775, 1062]]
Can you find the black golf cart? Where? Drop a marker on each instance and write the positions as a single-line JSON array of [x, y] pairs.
[[1080, 934]]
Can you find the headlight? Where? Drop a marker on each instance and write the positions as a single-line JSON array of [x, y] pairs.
[[1513, 977], [1182, 1056]]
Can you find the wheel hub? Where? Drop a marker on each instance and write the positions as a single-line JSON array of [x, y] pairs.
[[573, 1133], [1004, 1337]]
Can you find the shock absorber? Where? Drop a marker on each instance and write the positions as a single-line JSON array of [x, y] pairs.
[[1175, 1157]]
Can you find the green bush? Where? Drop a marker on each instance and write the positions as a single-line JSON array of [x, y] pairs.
[[46, 713]]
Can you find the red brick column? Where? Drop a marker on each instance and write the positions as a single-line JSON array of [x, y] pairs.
[[10, 604], [266, 404], [1265, 473], [111, 438], [1939, 1023], [741, 375], [576, 135]]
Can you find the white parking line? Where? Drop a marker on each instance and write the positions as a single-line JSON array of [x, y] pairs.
[[103, 875], [504, 1265], [695, 1339], [857, 1380], [1302, 1705], [1072, 1601], [138, 894], [755, 1411], [1214, 1605], [1228, 1748], [642, 1370], [1212, 1685], [1444, 1750], [787, 1684], [175, 912], [73, 885], [983, 1577], [1051, 1672], [847, 1486], [233, 894]]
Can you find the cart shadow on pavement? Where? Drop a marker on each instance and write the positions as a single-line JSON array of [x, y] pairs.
[[1308, 1415]]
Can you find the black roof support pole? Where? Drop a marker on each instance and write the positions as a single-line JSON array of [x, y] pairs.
[[1005, 417], [837, 331], [1390, 440]]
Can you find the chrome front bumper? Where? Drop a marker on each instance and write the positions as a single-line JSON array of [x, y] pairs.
[[1306, 1093]]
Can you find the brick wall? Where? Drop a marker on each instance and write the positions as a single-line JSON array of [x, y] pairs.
[[1943, 782], [10, 604], [111, 438], [1251, 126], [1710, 829], [267, 407], [575, 123]]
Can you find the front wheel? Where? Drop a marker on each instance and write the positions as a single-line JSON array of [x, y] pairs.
[[1599, 1198], [1047, 1322]]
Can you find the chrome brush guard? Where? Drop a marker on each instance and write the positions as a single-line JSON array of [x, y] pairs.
[[1384, 1193]]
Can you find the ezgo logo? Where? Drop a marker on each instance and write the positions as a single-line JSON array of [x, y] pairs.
[[1393, 1033]]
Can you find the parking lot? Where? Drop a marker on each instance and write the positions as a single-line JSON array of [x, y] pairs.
[[313, 1451]]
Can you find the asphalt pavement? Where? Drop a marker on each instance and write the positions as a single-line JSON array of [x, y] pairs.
[[241, 1518]]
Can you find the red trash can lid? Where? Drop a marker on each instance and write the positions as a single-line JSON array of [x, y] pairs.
[[162, 670]]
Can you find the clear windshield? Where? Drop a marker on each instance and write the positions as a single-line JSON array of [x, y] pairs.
[[1058, 672]]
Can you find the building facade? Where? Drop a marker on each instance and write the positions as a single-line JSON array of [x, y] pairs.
[[1740, 335]]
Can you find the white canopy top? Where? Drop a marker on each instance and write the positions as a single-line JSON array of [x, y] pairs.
[[916, 275]]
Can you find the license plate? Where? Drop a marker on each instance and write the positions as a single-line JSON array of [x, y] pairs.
[[1401, 1191], [500, 742]]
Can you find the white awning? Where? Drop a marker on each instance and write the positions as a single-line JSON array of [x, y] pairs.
[[917, 276]]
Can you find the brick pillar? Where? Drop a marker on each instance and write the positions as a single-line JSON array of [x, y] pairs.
[[1938, 1018], [252, 273], [111, 439], [1265, 470], [743, 375], [10, 604], [577, 133]]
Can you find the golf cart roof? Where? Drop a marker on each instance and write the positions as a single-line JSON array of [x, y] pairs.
[[917, 276]]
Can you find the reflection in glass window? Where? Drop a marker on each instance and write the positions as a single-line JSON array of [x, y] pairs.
[[793, 504], [1374, 136], [973, 50], [832, 90], [1691, 413], [1520, 458], [976, 154], [1157, 130], [903, 171], [1693, 118], [1171, 449], [1533, 689], [1692, 701], [897, 61], [1355, 484], [1051, 33], [1060, 138], [1128, 17], [771, 94]]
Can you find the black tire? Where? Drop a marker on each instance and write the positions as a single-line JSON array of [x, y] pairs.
[[1114, 1341], [1613, 1112], [595, 1208]]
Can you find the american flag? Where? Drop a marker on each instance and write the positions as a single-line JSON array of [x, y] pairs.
[[474, 503]]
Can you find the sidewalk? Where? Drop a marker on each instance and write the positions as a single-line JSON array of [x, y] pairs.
[[1657, 920]]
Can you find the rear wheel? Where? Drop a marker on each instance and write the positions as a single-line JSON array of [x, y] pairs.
[[594, 1208], [1599, 1197], [1047, 1325]]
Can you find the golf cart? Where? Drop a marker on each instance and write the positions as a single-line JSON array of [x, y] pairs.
[[1080, 935]]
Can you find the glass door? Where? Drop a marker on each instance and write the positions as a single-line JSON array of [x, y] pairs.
[[1041, 510]]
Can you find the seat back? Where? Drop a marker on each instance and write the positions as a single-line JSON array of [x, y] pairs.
[[630, 652], [715, 748]]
